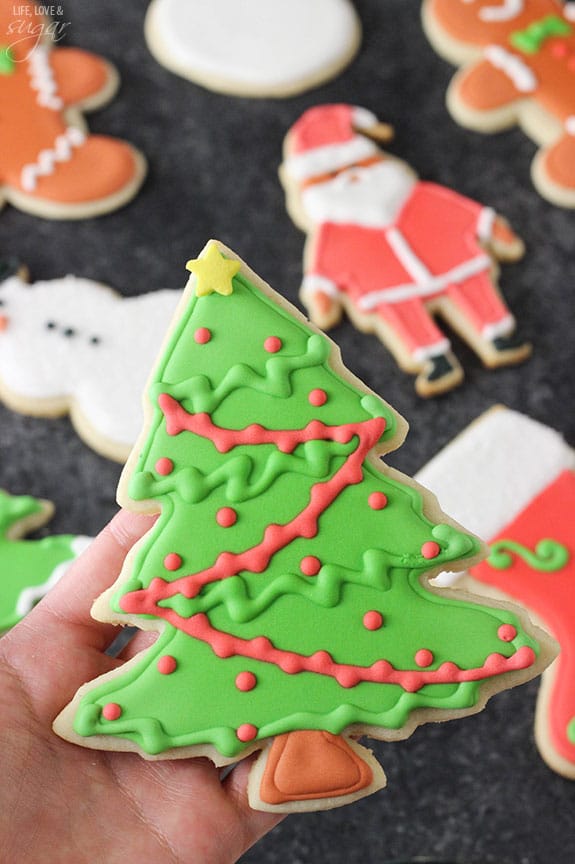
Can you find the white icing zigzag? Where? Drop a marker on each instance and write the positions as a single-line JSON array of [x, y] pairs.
[[49, 158]]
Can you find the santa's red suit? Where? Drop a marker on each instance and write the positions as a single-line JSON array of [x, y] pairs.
[[431, 249]]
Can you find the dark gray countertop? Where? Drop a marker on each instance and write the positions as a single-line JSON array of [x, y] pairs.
[[473, 790]]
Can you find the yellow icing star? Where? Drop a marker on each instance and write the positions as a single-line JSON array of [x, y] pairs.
[[213, 272]]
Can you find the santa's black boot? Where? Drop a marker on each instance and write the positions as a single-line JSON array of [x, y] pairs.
[[510, 349], [442, 372]]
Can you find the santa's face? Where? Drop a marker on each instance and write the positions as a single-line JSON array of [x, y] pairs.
[[370, 195]]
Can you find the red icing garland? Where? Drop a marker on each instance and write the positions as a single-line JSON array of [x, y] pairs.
[[276, 537], [260, 648], [179, 420]]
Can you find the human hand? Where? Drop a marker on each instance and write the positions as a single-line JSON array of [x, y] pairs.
[[62, 803]]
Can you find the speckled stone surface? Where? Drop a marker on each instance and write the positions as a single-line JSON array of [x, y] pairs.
[[472, 791]]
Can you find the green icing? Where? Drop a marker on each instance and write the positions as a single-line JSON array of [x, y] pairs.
[[370, 559], [530, 40], [548, 557], [6, 60], [25, 564]]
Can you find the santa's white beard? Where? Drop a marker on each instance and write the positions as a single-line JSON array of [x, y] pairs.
[[370, 196]]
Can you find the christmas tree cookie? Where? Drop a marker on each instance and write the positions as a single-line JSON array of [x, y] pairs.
[[524, 499], [50, 165], [287, 571], [29, 568]]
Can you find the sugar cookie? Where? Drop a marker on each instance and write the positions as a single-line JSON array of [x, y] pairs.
[[518, 66], [392, 250], [254, 47], [50, 165], [522, 477], [73, 345], [29, 568], [287, 570]]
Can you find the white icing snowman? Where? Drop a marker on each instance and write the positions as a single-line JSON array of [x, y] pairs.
[[254, 47], [75, 345]]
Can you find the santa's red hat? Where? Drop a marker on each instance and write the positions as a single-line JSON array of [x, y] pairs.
[[328, 137]]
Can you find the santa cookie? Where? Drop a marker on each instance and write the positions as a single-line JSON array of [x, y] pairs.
[[392, 250], [286, 572], [518, 66], [74, 346], [254, 48], [523, 479], [50, 165], [29, 568]]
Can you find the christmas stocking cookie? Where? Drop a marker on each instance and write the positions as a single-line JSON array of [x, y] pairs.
[[518, 66], [287, 571], [50, 165], [74, 346], [254, 48], [29, 568], [523, 479], [393, 251]]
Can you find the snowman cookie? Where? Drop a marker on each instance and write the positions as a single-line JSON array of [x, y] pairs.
[[29, 568], [254, 47], [75, 346], [523, 478], [392, 251], [50, 165], [517, 60]]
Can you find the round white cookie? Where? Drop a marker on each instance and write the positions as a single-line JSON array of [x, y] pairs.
[[254, 47]]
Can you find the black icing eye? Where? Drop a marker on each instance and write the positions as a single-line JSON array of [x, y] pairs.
[[50, 325], [1, 302], [69, 332], [95, 340]]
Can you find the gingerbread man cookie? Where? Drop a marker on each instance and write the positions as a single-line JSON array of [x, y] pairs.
[[254, 47], [286, 572], [518, 66], [392, 250], [75, 346], [522, 474], [50, 165], [29, 568]]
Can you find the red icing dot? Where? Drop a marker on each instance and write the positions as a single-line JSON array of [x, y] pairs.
[[431, 549], [247, 732], [372, 620], [273, 344], [377, 500], [246, 681], [507, 632], [226, 517], [167, 664], [202, 335], [112, 711], [164, 466], [558, 49], [310, 565], [173, 561], [317, 398], [424, 657]]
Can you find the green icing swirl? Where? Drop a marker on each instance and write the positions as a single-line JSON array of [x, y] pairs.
[[548, 557]]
